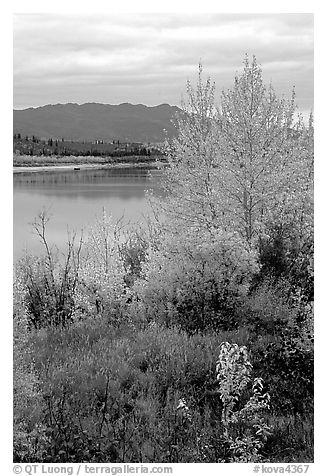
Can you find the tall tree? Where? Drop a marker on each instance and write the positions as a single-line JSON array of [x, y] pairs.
[[234, 168], [191, 178], [255, 145]]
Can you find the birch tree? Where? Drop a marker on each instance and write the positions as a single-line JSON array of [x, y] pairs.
[[233, 172], [235, 167], [255, 146], [190, 181]]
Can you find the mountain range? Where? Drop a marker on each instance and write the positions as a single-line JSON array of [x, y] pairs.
[[94, 121]]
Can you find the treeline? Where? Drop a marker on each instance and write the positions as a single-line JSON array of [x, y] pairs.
[[53, 147]]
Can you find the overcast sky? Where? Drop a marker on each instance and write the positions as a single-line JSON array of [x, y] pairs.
[[147, 58]]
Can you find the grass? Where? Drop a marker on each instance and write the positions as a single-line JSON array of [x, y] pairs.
[[111, 394]]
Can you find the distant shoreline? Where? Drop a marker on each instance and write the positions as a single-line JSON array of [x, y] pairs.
[[66, 167]]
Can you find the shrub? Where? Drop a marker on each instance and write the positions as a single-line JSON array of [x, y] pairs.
[[233, 375], [267, 309], [102, 287], [195, 281], [49, 284], [292, 439], [286, 362], [285, 254], [133, 254]]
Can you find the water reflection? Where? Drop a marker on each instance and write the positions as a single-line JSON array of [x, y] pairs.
[[74, 198]]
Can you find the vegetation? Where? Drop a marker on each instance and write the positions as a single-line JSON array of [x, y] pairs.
[[33, 146], [44, 161], [190, 340]]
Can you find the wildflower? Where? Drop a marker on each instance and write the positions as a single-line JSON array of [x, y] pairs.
[[184, 409]]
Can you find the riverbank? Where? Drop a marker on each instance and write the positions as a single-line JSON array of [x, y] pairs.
[[78, 167], [62, 164]]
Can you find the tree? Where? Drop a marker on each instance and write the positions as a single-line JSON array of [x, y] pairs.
[[256, 144], [237, 167], [234, 174], [286, 249], [192, 177]]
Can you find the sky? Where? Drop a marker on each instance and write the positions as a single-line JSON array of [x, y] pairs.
[[148, 58]]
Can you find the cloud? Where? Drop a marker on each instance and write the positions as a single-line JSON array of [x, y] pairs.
[[140, 58]]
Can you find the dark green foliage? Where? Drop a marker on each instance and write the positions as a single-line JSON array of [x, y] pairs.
[[267, 309], [133, 253], [281, 330], [217, 313], [287, 366], [107, 150], [285, 256], [292, 440]]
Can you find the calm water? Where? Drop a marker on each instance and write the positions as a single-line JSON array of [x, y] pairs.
[[74, 199]]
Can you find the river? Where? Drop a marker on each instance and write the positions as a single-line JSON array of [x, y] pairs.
[[74, 198]]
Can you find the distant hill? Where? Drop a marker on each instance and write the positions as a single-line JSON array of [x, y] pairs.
[[91, 121]]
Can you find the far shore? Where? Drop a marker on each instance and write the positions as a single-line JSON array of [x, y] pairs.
[[77, 167]]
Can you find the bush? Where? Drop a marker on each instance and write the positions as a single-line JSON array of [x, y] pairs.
[[286, 255], [267, 309], [57, 291], [233, 375], [102, 288], [287, 366], [48, 284], [196, 280], [281, 330], [133, 252], [292, 439]]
